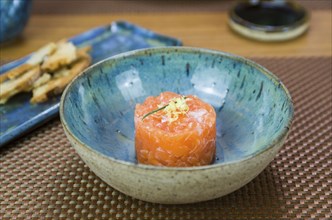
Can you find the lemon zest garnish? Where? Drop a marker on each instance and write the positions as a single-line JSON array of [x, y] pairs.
[[173, 109], [176, 107]]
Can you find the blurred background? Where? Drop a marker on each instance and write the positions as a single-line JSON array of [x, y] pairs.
[[108, 6], [197, 23]]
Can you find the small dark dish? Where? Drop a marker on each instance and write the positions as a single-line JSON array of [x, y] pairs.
[[269, 20]]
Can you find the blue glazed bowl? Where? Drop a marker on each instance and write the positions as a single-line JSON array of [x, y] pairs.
[[254, 114], [14, 15]]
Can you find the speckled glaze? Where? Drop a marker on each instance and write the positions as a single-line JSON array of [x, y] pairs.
[[14, 15], [254, 114]]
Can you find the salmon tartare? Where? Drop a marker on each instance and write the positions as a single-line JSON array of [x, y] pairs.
[[174, 130]]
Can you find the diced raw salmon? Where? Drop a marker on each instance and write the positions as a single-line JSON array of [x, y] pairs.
[[190, 140]]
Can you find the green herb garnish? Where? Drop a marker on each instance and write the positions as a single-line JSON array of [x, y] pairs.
[[154, 111], [173, 103]]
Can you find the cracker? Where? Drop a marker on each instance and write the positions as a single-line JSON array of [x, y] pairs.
[[47, 72], [33, 61], [42, 80], [23, 83], [57, 84], [64, 55]]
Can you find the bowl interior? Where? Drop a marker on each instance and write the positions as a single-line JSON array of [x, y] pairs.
[[253, 108]]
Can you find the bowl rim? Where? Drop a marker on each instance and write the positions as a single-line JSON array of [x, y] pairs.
[[283, 134]]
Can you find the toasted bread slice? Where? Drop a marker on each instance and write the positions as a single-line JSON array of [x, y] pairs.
[[64, 55], [46, 72], [33, 61], [59, 81], [39, 56], [15, 72], [42, 80], [22, 83]]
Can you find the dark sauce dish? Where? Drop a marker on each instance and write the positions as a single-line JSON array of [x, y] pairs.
[[269, 20]]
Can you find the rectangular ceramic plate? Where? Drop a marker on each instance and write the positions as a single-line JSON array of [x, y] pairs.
[[18, 116]]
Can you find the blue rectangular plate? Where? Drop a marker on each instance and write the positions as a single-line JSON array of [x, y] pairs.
[[18, 116]]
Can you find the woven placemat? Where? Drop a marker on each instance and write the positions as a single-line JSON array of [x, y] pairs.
[[41, 176]]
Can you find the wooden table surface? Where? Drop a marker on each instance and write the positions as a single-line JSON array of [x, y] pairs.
[[199, 29]]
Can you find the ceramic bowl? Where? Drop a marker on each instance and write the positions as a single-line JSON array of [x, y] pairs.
[[254, 114], [13, 18]]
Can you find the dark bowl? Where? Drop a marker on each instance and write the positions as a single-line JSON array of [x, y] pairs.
[[269, 20], [14, 15]]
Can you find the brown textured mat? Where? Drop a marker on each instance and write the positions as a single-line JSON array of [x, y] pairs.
[[41, 176], [116, 6]]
